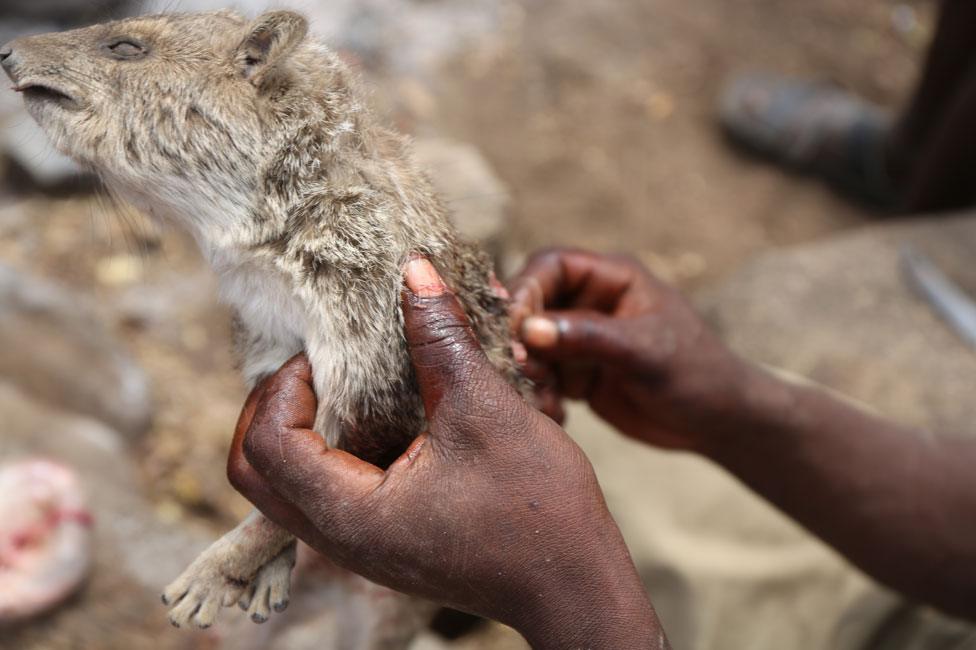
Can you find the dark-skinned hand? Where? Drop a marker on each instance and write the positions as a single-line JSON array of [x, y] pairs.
[[896, 502], [494, 510], [603, 329]]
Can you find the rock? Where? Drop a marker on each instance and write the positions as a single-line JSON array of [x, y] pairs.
[[842, 313], [405, 35], [135, 554], [56, 349], [469, 186]]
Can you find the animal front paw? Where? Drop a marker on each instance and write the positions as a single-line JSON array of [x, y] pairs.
[[270, 588], [197, 595]]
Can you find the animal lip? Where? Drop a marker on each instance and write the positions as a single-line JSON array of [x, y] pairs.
[[44, 92]]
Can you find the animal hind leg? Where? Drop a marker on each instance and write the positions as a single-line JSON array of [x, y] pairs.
[[271, 586], [254, 561]]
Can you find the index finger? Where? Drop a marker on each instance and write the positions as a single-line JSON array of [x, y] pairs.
[[569, 279]]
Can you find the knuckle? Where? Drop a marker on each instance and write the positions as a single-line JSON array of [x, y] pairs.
[[243, 478], [546, 260], [435, 320], [625, 260], [483, 411], [254, 448], [588, 330], [237, 473], [447, 347], [348, 522], [547, 254]]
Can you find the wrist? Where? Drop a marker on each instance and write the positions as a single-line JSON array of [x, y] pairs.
[[607, 607], [760, 403]]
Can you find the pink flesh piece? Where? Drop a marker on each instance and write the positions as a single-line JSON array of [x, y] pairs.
[[45, 537]]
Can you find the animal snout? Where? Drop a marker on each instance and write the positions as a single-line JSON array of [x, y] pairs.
[[7, 59]]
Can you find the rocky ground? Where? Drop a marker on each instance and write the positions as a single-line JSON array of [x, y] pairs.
[[546, 123]]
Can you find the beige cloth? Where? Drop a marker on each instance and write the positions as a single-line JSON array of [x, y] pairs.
[[726, 570]]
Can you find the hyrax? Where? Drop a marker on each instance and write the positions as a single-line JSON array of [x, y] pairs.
[[254, 138]]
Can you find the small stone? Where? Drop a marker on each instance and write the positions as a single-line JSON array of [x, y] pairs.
[[119, 270], [474, 194], [660, 106]]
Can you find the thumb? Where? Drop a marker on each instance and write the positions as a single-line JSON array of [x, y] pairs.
[[587, 336], [280, 445], [445, 352]]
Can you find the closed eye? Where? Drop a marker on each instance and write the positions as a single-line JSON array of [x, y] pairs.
[[125, 49]]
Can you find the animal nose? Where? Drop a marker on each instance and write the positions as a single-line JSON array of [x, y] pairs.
[[8, 60]]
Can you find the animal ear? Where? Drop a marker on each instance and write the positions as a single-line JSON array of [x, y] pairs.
[[269, 40]]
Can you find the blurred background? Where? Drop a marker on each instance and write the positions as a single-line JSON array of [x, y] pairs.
[[543, 122]]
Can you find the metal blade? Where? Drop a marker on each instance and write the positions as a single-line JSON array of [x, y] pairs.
[[948, 300]]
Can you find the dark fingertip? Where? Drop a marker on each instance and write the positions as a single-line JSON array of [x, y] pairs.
[[259, 619], [280, 606]]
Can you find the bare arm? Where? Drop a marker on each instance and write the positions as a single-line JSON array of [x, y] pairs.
[[898, 503]]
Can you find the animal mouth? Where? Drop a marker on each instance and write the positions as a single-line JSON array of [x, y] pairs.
[[45, 93]]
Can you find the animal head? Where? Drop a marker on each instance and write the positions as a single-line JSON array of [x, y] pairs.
[[194, 117]]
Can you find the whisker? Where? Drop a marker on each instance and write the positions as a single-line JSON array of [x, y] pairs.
[[85, 80]]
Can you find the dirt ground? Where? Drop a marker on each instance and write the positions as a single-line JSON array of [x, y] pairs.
[[598, 115]]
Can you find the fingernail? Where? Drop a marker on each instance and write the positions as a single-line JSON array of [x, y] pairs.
[[519, 353], [540, 332], [422, 278], [499, 288]]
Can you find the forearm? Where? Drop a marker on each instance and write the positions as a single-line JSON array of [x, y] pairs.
[[608, 610], [900, 504]]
